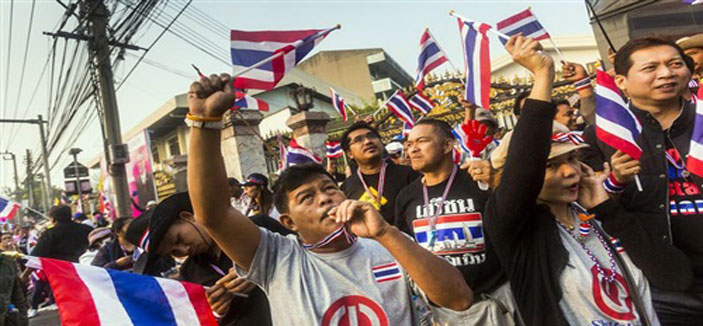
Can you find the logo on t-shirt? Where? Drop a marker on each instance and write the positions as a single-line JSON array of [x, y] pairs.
[[371, 198], [453, 234], [355, 310], [386, 272], [613, 299]]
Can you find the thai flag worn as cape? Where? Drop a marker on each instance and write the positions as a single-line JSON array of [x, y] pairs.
[[523, 22], [245, 101], [421, 103], [251, 47], [91, 296], [297, 154], [399, 105], [333, 149], [694, 162], [8, 209], [616, 125], [338, 104], [477, 62], [431, 57]]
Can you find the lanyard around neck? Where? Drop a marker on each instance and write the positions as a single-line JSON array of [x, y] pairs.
[[438, 211], [379, 186]]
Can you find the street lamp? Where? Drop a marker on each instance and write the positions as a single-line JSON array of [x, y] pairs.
[[302, 97], [75, 152]]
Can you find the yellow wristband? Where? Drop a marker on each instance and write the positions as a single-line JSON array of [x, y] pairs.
[[202, 119]]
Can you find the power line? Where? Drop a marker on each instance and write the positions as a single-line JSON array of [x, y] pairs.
[[24, 60], [7, 65]]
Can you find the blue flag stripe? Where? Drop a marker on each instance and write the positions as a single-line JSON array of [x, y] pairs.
[[143, 298]]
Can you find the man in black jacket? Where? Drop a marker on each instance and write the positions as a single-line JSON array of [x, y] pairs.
[[653, 73]]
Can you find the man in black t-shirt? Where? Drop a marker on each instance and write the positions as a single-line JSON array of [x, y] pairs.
[[376, 180], [443, 210]]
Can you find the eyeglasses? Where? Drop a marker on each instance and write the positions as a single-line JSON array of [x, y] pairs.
[[360, 138]]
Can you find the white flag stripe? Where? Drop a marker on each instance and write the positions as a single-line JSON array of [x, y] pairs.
[[615, 129], [611, 95], [476, 73], [107, 303], [258, 74], [257, 46], [696, 147], [180, 303], [518, 24]]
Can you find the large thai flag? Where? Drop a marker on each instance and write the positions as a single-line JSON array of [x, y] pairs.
[[694, 162], [431, 57], [523, 22], [333, 149], [421, 103], [616, 125], [399, 105], [90, 296], [297, 154], [251, 47], [338, 104], [245, 101], [477, 62], [8, 209]]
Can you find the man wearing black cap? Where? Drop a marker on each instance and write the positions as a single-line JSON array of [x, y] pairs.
[[170, 230], [261, 199]]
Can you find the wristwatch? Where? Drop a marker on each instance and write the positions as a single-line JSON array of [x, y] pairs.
[[214, 125]]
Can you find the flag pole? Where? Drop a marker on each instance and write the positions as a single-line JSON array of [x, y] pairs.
[[554, 45], [445, 55], [600, 26], [271, 58], [638, 183], [492, 30]]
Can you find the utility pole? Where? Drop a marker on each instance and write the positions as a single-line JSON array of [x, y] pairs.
[[118, 153], [29, 179], [42, 186], [45, 157], [18, 195]]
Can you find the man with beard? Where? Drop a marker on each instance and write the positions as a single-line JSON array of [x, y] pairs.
[[443, 211], [376, 180]]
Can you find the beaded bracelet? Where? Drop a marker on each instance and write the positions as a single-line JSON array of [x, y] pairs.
[[582, 84], [202, 119], [612, 185]]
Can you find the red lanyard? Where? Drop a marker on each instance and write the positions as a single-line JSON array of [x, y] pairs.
[[379, 187], [438, 211]]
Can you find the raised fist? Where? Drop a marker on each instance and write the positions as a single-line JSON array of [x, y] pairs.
[[211, 97]]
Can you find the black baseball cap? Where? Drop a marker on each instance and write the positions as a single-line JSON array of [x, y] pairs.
[[256, 179]]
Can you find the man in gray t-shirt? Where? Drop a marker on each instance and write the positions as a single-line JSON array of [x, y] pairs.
[[324, 276]]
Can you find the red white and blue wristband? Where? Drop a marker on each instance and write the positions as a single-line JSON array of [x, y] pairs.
[[612, 185], [582, 84]]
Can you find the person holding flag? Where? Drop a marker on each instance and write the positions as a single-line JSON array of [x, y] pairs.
[[663, 228]]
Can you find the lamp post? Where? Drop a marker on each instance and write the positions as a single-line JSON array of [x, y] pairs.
[[74, 152], [302, 97]]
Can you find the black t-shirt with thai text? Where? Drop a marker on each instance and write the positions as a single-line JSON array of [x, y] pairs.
[[459, 235], [397, 177], [686, 211]]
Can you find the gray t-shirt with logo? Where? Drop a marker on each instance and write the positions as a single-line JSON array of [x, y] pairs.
[[587, 298]]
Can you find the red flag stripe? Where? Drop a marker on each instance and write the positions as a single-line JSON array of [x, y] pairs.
[[70, 291], [196, 294]]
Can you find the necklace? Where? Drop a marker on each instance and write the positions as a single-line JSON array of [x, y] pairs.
[[609, 277], [379, 186], [433, 219]]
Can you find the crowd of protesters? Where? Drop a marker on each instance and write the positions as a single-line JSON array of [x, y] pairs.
[[540, 230]]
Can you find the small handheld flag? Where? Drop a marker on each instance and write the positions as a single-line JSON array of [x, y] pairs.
[[297, 154], [333, 148], [338, 104], [8, 208], [523, 22], [694, 162], [399, 105], [245, 101], [421, 103], [477, 62], [431, 57], [616, 125]]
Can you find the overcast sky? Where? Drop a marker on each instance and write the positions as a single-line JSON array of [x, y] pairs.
[[395, 26]]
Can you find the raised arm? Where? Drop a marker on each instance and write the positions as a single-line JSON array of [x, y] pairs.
[[236, 235], [524, 168], [442, 283]]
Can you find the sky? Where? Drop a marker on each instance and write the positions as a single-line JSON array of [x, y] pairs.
[[395, 26]]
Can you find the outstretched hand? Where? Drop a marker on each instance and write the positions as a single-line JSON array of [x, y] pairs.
[[361, 217], [211, 96], [476, 138], [528, 53], [591, 191]]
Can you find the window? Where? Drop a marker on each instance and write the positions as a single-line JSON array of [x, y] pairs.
[[173, 146]]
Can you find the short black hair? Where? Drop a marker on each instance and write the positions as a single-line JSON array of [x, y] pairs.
[[60, 213], [119, 223], [623, 60], [356, 126], [442, 126], [232, 181], [293, 177], [517, 108]]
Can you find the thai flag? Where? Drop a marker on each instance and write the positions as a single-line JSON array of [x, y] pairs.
[[386, 272], [282, 153], [243, 100], [616, 125], [251, 47], [8, 209], [421, 103], [453, 234], [406, 129], [523, 22], [89, 296], [431, 57], [460, 135], [106, 207], [694, 162], [333, 148], [297, 154], [693, 2], [338, 104], [399, 105], [477, 63]]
